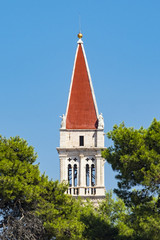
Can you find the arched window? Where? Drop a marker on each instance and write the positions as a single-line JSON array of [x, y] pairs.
[[93, 175], [87, 175], [70, 175], [75, 175]]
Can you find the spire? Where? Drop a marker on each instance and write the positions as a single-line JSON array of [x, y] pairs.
[[81, 110]]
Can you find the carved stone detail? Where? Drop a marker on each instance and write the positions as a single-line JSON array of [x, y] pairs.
[[100, 121], [63, 122]]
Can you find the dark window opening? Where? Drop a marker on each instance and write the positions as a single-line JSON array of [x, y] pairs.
[[75, 175], [81, 140], [70, 175], [87, 175], [93, 175]]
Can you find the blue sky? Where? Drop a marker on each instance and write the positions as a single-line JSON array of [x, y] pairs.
[[38, 40]]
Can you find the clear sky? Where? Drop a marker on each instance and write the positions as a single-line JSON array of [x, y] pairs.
[[38, 40]]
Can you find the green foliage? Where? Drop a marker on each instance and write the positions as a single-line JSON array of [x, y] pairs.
[[60, 213], [115, 213], [18, 177], [24, 192], [144, 219], [136, 158], [96, 225]]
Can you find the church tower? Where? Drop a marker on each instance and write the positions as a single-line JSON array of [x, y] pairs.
[[82, 135]]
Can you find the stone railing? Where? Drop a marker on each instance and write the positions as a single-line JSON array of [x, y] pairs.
[[73, 191], [88, 191]]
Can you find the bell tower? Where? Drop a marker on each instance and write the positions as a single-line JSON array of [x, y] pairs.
[[82, 134]]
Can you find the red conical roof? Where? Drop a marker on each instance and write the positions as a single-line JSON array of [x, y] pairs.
[[81, 110]]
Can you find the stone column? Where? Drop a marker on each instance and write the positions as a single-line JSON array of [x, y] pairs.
[[77, 175], [63, 167], [81, 174], [102, 162], [90, 176], [72, 175], [98, 170]]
